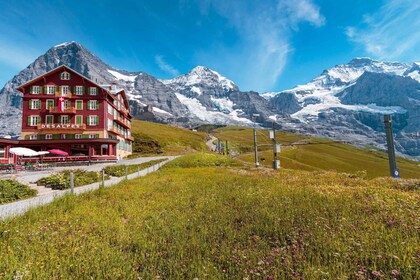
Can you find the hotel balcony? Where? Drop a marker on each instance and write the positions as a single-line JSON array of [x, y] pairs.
[[131, 138], [58, 94], [70, 110], [122, 122], [61, 128], [114, 130]]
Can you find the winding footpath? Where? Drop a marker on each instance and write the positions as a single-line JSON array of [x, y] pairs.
[[46, 195]]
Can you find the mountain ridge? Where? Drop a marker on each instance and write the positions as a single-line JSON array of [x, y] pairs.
[[202, 95]]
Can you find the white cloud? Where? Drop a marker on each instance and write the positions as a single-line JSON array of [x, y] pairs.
[[265, 29], [163, 65], [393, 32]]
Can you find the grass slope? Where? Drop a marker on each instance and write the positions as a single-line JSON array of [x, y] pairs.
[[219, 222], [308, 153], [154, 138]]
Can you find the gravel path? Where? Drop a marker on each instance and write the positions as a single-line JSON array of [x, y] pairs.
[[210, 143]]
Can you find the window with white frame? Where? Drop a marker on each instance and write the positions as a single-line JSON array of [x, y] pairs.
[[33, 137], [34, 120], [67, 104], [93, 91], [63, 136], [92, 120], [65, 119], [50, 90], [35, 90], [48, 136], [91, 136], [93, 105], [64, 90], [2, 151], [78, 136], [78, 90], [35, 104], [65, 76]]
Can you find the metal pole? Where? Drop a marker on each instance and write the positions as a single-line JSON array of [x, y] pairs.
[[274, 149], [256, 147], [71, 182], [227, 147], [391, 150], [103, 177]]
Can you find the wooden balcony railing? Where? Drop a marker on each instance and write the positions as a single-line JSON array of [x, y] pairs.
[[58, 94], [122, 122], [70, 110]]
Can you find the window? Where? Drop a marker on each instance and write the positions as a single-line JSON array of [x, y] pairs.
[[64, 90], [33, 137], [2, 151], [65, 76], [35, 90], [34, 104], [48, 136], [33, 120], [78, 136], [91, 136], [110, 124], [49, 119], [49, 89], [92, 120], [50, 103], [67, 104], [63, 136], [79, 104], [92, 91], [79, 119], [93, 105], [79, 90], [65, 119]]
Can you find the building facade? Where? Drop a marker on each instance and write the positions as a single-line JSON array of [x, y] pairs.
[[64, 110]]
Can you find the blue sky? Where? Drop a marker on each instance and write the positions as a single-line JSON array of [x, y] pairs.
[[265, 45]]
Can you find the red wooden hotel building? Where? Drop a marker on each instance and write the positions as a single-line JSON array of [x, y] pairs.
[[64, 110]]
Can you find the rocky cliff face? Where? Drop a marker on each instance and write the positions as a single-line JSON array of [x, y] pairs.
[[346, 102]]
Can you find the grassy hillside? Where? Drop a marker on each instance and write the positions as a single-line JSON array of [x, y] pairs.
[[154, 138], [308, 153], [222, 222]]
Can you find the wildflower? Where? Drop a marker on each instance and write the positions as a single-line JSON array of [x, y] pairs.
[[395, 272], [377, 273]]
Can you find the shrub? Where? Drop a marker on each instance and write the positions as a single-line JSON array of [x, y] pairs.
[[11, 190], [119, 170], [61, 181]]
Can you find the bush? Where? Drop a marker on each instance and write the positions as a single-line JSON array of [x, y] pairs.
[[61, 181], [203, 160], [119, 170], [11, 190]]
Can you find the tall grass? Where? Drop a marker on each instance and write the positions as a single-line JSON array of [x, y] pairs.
[[308, 153], [222, 222]]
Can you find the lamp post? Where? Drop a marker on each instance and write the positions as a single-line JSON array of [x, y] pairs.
[[254, 118]]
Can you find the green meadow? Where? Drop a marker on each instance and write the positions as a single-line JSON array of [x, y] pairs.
[[313, 154], [209, 217]]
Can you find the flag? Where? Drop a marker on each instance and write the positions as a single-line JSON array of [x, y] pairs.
[[61, 105]]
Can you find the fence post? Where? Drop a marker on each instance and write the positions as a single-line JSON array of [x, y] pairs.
[[71, 182], [138, 170], [103, 177], [126, 172]]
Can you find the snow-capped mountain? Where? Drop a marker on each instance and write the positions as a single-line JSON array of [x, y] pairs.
[[362, 91], [346, 102]]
